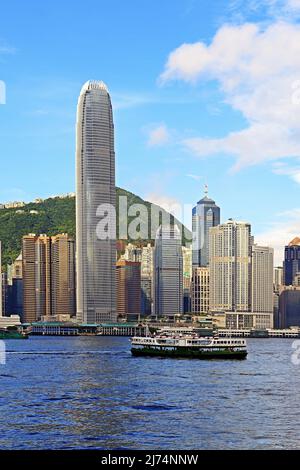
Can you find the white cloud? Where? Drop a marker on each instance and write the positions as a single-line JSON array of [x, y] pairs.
[[194, 177], [5, 49], [258, 70], [289, 170], [164, 201], [281, 233], [158, 136]]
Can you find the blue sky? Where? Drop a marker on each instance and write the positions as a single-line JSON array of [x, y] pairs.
[[200, 93]]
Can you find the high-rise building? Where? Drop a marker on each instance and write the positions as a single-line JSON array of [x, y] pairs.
[[48, 276], [128, 287], [277, 278], [168, 282], [43, 276], [262, 279], [230, 267], [206, 214], [289, 307], [291, 263], [29, 278], [147, 261], [187, 278], [63, 275], [200, 290], [95, 201], [147, 280]]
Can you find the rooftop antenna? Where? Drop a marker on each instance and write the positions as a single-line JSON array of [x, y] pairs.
[[206, 189]]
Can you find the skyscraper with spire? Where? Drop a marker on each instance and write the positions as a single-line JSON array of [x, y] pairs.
[[206, 214], [95, 190]]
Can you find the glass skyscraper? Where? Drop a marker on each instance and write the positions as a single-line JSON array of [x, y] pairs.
[[206, 214], [95, 194], [168, 276], [291, 265]]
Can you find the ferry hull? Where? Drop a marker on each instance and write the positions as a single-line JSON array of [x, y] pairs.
[[189, 353]]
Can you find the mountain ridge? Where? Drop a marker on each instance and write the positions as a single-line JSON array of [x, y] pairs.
[[57, 215]]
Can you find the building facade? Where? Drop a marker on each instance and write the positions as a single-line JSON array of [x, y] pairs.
[[95, 205], [262, 279], [206, 214], [128, 287], [48, 276], [200, 290], [291, 265], [147, 280], [230, 267], [168, 267], [289, 307], [63, 280]]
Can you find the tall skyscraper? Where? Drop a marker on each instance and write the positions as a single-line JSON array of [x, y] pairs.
[[291, 265], [43, 276], [168, 282], [95, 190], [262, 279], [63, 291], [29, 278], [128, 287], [206, 214], [147, 280], [48, 276], [230, 267]]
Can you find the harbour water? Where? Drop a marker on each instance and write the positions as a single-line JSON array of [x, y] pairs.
[[89, 392]]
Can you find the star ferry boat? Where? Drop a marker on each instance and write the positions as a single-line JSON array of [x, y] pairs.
[[189, 346]]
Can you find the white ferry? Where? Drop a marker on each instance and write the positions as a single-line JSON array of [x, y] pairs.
[[189, 346]]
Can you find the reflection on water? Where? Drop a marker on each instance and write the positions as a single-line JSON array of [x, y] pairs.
[[88, 392]]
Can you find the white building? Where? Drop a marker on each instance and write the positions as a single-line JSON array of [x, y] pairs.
[[168, 298], [262, 279], [95, 192], [230, 267], [200, 290]]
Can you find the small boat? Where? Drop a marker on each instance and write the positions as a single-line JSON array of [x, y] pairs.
[[189, 346], [12, 333]]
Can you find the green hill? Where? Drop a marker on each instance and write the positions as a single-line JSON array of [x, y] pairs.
[[55, 215]]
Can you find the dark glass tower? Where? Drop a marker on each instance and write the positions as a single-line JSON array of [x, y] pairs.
[[291, 265], [206, 214]]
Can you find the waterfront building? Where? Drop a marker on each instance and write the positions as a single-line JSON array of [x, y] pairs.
[[48, 276], [200, 290], [63, 288], [291, 263], [206, 214], [128, 287], [255, 320], [95, 201], [168, 267], [262, 279], [29, 278], [42, 259], [230, 267], [289, 306]]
